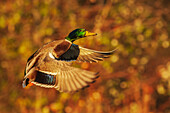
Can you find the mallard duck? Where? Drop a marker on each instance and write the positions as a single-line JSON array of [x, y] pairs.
[[50, 66]]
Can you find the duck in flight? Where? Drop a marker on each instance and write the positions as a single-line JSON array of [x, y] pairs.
[[50, 66]]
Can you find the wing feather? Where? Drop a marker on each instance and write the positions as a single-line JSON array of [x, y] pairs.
[[59, 83], [85, 78], [88, 55], [71, 84], [64, 77], [62, 82], [68, 87], [69, 79], [74, 78], [80, 80]]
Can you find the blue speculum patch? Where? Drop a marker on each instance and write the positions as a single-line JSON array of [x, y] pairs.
[[45, 78]]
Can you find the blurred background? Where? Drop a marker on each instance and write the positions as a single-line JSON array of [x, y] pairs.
[[136, 79]]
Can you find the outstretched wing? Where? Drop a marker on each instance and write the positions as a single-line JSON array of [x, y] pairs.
[[77, 53], [52, 74], [88, 55], [73, 79]]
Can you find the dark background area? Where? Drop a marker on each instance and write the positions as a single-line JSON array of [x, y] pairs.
[[136, 79]]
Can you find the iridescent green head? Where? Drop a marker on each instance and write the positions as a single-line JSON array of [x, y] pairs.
[[79, 33]]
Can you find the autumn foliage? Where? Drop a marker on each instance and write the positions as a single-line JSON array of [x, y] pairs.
[[136, 79]]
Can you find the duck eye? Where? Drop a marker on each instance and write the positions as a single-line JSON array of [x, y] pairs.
[[81, 30]]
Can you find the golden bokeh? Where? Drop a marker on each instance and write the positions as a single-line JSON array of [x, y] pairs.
[[135, 79]]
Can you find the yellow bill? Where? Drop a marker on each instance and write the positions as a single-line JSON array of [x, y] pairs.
[[90, 34]]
